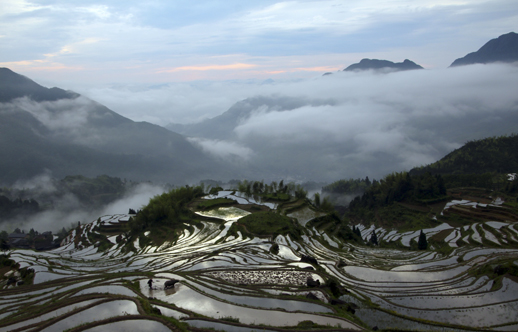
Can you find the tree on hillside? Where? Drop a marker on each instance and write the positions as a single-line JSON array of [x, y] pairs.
[[4, 246], [300, 192], [422, 244], [317, 199], [357, 231], [374, 238], [326, 205]]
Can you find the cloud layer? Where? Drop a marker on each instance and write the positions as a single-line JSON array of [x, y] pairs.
[[349, 124], [371, 123], [68, 211]]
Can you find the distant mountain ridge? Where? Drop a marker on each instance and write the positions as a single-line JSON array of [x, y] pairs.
[[13, 85], [375, 64], [52, 129], [501, 49], [223, 125]]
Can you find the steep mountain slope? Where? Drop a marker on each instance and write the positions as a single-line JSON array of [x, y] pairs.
[[13, 86], [501, 49], [375, 64], [52, 129], [490, 155]]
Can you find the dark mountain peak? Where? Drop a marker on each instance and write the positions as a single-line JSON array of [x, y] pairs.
[[501, 49], [13, 85], [375, 64]]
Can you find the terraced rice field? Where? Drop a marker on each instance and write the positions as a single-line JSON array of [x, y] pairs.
[[234, 283]]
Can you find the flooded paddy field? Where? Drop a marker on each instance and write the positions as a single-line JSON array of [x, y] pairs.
[[238, 282]]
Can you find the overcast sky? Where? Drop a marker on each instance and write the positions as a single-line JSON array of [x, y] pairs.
[[147, 42]]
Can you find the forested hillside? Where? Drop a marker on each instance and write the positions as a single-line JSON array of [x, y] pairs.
[[480, 171], [489, 155]]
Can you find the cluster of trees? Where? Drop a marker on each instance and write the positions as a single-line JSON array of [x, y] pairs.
[[422, 243], [489, 155], [11, 208], [91, 192], [512, 185], [97, 191], [55, 194], [397, 187], [356, 231], [323, 204], [273, 189], [348, 187], [166, 209]]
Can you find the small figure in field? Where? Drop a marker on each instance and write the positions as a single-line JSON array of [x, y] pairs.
[[150, 283]]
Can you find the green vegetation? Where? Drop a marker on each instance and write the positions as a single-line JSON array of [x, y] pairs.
[[230, 319], [495, 270], [16, 207], [409, 200], [207, 204], [274, 249], [399, 200], [6, 261], [489, 155], [399, 187], [274, 191], [266, 223], [165, 215], [333, 225], [215, 190], [348, 187], [93, 191], [374, 238], [422, 244], [276, 196], [100, 241]]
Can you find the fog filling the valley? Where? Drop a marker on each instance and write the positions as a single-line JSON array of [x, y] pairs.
[[352, 124], [68, 211]]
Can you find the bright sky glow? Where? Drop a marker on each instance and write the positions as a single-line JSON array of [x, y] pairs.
[[173, 41]]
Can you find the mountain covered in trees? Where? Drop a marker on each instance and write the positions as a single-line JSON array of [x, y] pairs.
[[501, 49], [489, 155], [62, 132], [410, 199]]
